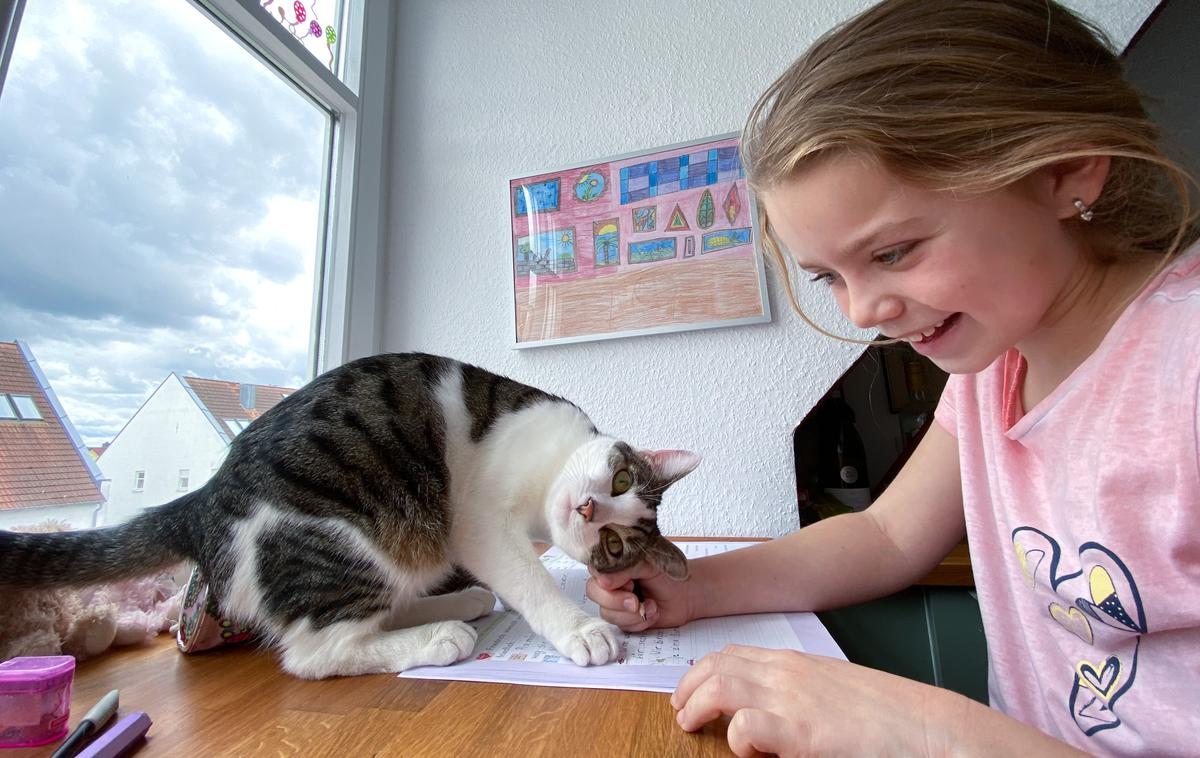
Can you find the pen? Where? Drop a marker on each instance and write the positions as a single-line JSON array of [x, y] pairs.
[[641, 596], [123, 737], [97, 717]]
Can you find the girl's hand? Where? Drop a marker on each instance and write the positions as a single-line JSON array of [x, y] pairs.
[[665, 601], [792, 704]]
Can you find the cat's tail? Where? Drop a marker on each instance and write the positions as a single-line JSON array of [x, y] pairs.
[[156, 539]]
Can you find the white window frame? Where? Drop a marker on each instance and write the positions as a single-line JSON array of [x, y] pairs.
[[139, 481], [345, 320], [185, 478]]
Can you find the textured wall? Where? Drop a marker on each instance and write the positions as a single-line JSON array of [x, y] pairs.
[[487, 91]]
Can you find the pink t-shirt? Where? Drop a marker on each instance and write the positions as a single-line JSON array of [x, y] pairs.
[[1083, 519]]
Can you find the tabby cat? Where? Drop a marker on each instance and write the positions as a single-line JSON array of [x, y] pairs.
[[342, 519]]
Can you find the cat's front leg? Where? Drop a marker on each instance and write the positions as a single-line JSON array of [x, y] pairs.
[[510, 566]]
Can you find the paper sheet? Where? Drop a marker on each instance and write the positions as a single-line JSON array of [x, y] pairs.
[[508, 650]]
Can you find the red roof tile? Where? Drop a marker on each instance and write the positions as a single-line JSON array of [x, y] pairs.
[[223, 400], [39, 462]]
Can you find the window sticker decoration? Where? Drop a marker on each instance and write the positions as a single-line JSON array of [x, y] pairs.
[[313, 22], [624, 273]]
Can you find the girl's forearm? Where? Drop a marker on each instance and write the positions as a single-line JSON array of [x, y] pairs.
[[836, 562]]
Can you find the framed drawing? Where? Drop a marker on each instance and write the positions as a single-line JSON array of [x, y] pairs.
[[655, 241]]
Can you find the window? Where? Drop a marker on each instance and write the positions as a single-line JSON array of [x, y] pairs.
[[185, 86], [183, 479], [26, 408], [139, 481], [237, 425], [19, 407]]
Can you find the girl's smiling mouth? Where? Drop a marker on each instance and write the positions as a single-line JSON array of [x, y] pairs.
[[928, 337]]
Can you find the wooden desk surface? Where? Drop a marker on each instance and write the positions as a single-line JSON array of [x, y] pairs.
[[236, 701]]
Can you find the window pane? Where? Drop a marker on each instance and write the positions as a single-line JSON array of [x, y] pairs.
[[316, 24], [6, 408], [161, 201], [25, 407]]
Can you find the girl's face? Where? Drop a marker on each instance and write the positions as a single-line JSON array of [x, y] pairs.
[[961, 278]]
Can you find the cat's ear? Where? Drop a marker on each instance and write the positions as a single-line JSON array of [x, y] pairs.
[[670, 466], [670, 559]]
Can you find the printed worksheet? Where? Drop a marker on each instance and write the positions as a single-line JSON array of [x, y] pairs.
[[509, 651]]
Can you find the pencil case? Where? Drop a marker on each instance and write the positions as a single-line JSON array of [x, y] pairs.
[[35, 699]]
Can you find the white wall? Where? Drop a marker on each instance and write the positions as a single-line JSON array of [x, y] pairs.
[[78, 516], [488, 91], [168, 433]]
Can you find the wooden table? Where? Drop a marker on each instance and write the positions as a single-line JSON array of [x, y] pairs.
[[236, 701]]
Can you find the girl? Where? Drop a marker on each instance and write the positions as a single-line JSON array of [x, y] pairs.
[[975, 177]]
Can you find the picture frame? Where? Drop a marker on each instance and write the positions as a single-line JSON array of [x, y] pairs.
[[647, 242]]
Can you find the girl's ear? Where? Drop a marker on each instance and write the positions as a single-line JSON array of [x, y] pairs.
[[1076, 179], [670, 465]]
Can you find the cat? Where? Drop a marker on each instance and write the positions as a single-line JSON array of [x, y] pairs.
[[343, 519]]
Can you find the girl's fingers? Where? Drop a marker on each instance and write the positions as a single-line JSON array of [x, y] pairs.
[[724, 663], [722, 693], [753, 731], [617, 579], [620, 607]]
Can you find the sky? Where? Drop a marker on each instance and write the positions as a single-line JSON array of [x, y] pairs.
[[159, 200]]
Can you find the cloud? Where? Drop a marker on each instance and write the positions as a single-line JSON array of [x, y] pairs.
[[159, 192]]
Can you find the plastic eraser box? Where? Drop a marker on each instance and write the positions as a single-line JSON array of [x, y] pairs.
[[35, 699]]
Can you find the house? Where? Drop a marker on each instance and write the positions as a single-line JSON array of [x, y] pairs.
[[45, 469], [177, 439]]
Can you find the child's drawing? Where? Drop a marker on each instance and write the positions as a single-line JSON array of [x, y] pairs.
[[640, 270]]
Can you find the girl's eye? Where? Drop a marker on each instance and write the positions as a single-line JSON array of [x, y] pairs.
[[825, 278], [613, 544], [892, 256], [621, 482]]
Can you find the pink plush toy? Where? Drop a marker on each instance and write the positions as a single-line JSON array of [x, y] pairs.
[[85, 621]]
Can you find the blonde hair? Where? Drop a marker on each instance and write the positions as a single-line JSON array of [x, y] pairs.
[[971, 96]]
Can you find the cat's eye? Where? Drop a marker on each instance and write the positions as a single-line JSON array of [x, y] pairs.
[[622, 481], [613, 544]]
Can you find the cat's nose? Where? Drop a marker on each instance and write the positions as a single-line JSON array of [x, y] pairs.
[[587, 510]]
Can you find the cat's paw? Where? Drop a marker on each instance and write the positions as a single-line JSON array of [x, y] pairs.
[[475, 602], [593, 642], [449, 642]]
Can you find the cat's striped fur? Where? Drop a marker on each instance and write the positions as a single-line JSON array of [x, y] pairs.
[[340, 514]]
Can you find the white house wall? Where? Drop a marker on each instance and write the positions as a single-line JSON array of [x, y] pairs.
[[78, 516], [485, 92], [168, 433]]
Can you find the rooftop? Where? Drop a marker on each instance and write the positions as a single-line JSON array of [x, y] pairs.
[[41, 455]]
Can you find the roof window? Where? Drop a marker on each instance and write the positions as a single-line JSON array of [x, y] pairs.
[[19, 407]]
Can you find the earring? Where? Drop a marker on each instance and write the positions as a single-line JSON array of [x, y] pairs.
[[1085, 210]]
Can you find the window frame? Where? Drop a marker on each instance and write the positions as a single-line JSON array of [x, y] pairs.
[[185, 480], [139, 480], [345, 322]]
